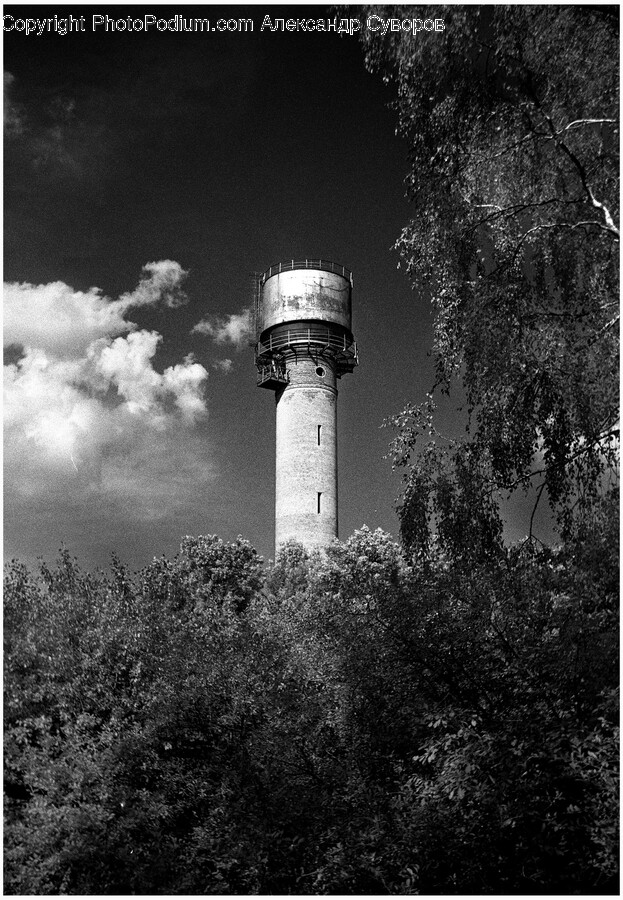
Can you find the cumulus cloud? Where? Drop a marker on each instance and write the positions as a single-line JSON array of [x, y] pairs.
[[59, 419], [234, 329], [184, 382], [86, 412], [160, 281], [56, 318]]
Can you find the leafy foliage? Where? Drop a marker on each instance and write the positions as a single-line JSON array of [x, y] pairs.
[[511, 117], [360, 725]]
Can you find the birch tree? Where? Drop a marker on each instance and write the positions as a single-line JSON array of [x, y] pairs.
[[511, 118]]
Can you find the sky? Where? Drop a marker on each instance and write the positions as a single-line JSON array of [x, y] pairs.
[[147, 177]]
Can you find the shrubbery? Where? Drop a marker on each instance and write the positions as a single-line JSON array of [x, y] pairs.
[[344, 723]]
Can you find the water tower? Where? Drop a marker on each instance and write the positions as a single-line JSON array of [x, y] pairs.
[[304, 344]]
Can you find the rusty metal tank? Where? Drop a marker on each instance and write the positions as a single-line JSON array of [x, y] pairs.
[[305, 294]]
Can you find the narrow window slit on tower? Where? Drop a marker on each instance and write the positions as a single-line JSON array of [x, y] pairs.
[[319, 427], [319, 496]]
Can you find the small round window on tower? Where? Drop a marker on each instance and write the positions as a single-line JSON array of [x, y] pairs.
[[319, 371]]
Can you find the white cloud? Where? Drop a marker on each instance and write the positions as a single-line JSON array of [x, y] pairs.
[[89, 421], [234, 329], [161, 281], [57, 436], [223, 365], [184, 381], [56, 318], [126, 363]]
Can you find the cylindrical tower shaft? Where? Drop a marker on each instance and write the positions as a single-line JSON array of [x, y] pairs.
[[306, 475], [304, 345]]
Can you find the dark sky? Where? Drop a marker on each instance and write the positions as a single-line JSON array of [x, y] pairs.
[[221, 153]]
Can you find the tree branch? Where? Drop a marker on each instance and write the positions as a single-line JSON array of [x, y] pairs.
[[610, 226], [544, 225], [534, 509], [527, 476], [516, 207], [579, 122]]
